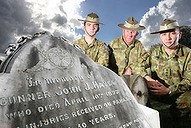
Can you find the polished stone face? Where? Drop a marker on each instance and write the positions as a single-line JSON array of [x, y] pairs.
[[50, 83]]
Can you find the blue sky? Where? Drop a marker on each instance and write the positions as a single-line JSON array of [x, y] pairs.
[[60, 17], [113, 12]]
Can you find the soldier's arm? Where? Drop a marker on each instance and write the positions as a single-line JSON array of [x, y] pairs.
[[103, 57], [185, 83], [140, 53], [143, 64]]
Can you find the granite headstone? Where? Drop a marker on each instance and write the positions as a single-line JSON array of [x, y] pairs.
[[48, 82]]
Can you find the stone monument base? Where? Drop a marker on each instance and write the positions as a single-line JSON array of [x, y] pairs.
[[152, 115]]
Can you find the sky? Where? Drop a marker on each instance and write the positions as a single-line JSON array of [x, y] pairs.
[[60, 17]]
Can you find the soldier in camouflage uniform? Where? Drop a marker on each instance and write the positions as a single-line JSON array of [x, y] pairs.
[[169, 83], [125, 50], [94, 48]]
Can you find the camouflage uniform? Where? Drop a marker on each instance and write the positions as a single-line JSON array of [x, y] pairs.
[[174, 71], [123, 56], [97, 51]]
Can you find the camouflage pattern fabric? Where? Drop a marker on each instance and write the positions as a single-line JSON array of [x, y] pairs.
[[123, 56], [97, 51], [184, 103], [174, 71]]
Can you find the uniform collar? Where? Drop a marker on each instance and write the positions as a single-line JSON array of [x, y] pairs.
[[178, 52], [92, 44]]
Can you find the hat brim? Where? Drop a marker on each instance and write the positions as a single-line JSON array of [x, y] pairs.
[[138, 28], [89, 21], [162, 31]]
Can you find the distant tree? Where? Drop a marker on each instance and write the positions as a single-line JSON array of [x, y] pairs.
[[186, 36]]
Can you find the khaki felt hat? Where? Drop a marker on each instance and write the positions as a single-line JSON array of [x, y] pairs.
[[91, 17], [131, 24], [167, 25]]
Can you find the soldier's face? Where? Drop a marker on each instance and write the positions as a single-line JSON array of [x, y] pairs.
[[91, 28], [129, 35], [170, 39]]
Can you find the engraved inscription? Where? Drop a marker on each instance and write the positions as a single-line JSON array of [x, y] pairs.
[[101, 119], [99, 85], [62, 92], [67, 91], [63, 79], [48, 107], [24, 98], [135, 123], [19, 114], [75, 101], [48, 121], [86, 110]]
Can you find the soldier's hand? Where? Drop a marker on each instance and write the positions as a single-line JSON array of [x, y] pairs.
[[158, 88], [151, 82], [128, 72]]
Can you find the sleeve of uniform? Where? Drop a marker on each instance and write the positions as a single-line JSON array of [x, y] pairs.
[[103, 56], [185, 83], [143, 64], [140, 52]]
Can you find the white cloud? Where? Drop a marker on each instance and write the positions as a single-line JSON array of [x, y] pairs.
[[23, 17], [176, 9], [59, 15]]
